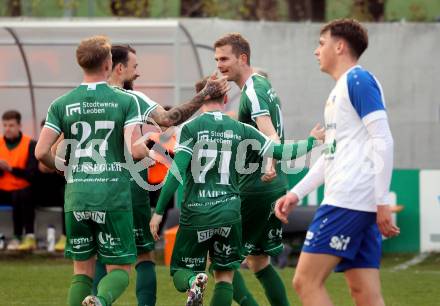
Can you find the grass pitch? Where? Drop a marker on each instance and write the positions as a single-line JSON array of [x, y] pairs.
[[41, 280]]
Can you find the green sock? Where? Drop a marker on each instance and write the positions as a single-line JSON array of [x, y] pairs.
[[80, 287], [100, 272], [146, 283], [222, 295], [273, 286], [112, 286], [241, 293], [181, 279]]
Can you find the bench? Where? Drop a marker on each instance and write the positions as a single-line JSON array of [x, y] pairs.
[[44, 216]]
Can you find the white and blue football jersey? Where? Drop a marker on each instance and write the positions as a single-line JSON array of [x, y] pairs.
[[356, 100]]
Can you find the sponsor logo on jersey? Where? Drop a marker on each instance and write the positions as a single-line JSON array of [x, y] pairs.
[[221, 248], [272, 94], [107, 240], [309, 236], [207, 234], [203, 135], [275, 233], [97, 216], [190, 262], [80, 242], [339, 243], [249, 246], [224, 137], [138, 232], [211, 193], [73, 108], [272, 207]]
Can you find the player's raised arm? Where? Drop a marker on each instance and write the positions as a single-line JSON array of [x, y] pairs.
[[178, 114], [264, 124]]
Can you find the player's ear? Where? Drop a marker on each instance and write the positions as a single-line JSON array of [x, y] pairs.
[[243, 58], [341, 46]]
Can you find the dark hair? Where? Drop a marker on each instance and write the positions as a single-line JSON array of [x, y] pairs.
[[200, 84], [351, 31], [238, 43], [92, 52], [120, 54], [12, 114]]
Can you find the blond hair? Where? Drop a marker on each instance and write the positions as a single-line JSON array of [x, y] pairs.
[[92, 52]]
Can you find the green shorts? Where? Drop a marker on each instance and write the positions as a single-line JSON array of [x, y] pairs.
[[262, 230], [142, 235], [109, 235], [192, 246]]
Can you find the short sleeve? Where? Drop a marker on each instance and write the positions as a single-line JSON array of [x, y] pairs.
[[146, 104], [365, 95], [133, 114], [258, 101], [263, 140], [53, 118], [185, 141]]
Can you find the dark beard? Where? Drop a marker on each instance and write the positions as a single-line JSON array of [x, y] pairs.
[[128, 85]]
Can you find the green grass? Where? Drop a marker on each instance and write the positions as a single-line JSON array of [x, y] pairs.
[[40, 280]]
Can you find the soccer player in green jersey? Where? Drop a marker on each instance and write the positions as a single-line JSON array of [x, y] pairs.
[[124, 72], [211, 154], [259, 107], [98, 122]]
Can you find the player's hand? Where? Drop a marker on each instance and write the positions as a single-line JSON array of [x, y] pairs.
[[385, 222], [215, 87], [154, 225], [270, 172], [285, 205], [318, 132], [5, 166]]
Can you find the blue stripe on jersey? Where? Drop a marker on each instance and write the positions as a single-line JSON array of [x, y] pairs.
[[364, 92]]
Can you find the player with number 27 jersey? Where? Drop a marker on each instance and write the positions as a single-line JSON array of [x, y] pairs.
[[94, 120], [98, 204]]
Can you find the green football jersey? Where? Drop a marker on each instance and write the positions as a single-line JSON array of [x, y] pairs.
[[93, 117], [258, 98], [218, 147], [139, 194]]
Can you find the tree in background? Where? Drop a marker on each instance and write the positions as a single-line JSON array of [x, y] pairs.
[[129, 8], [272, 10], [302, 10], [259, 10], [368, 10], [13, 8], [200, 8]]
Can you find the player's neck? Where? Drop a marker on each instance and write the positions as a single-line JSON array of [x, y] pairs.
[[212, 107], [114, 81], [94, 77], [343, 67], [246, 73]]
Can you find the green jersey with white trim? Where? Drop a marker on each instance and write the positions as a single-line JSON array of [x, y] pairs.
[[218, 147], [92, 118], [140, 195], [258, 98]]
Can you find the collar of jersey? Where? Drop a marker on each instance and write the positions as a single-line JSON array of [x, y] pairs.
[[250, 77], [212, 112], [101, 82], [348, 71]]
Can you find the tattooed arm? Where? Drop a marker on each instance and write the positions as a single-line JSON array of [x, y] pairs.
[[214, 88]]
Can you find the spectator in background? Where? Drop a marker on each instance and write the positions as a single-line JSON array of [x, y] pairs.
[[48, 189], [17, 170]]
